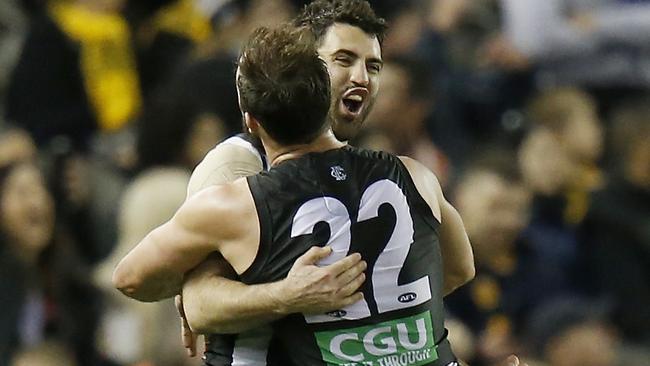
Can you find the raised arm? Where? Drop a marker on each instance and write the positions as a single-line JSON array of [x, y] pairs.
[[457, 255]]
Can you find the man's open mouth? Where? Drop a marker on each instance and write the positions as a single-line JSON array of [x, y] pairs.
[[353, 103], [353, 100]]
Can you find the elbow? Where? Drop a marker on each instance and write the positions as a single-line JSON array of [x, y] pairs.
[[458, 278], [466, 273], [126, 282]]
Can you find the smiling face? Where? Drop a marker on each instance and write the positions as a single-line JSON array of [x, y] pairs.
[[27, 210], [353, 59]]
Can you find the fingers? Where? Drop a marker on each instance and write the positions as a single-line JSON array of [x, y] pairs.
[[187, 336], [353, 285], [178, 302], [352, 273], [356, 297], [340, 266], [189, 339], [313, 255]]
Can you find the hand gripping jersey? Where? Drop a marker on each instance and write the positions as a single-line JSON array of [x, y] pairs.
[[355, 201]]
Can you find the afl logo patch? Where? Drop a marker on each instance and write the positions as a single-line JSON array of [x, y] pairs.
[[338, 173], [407, 297]]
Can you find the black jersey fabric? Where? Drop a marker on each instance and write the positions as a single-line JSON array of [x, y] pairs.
[[355, 201]]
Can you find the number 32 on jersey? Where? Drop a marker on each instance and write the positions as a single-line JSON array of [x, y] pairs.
[[389, 295]]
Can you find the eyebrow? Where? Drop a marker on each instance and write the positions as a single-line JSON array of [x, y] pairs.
[[353, 54]]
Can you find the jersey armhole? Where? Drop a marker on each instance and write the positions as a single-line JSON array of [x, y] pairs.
[[266, 234], [422, 206]]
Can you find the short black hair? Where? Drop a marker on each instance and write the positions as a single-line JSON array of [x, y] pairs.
[[319, 15], [284, 84]]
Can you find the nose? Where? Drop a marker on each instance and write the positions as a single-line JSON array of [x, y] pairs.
[[359, 75]]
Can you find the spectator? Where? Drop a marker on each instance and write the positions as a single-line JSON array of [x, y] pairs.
[[42, 286], [90, 82], [494, 204], [570, 332], [12, 24], [617, 228], [16, 145], [401, 112], [588, 43], [184, 123], [44, 354], [559, 162]]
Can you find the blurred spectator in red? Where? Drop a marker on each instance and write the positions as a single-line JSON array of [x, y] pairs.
[[494, 204], [76, 73], [617, 228], [43, 288]]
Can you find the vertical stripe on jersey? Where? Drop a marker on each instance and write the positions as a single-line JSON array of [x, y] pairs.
[[251, 347]]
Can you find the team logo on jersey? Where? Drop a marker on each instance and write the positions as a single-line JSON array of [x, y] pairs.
[[338, 173]]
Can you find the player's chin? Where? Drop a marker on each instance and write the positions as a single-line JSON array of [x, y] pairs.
[[346, 129]]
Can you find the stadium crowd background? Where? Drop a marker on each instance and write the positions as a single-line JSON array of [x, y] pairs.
[[535, 115]]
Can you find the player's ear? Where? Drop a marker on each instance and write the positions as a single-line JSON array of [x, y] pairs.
[[252, 124]]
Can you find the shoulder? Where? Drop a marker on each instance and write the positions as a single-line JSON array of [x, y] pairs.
[[219, 208], [426, 183], [370, 154], [229, 160]]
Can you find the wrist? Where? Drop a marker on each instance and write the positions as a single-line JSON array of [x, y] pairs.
[[277, 294]]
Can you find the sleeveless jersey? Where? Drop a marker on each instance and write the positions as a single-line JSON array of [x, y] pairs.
[[355, 201]]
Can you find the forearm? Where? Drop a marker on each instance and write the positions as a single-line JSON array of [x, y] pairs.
[[153, 270], [217, 304]]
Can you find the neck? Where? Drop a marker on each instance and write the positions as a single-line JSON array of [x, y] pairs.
[[279, 153]]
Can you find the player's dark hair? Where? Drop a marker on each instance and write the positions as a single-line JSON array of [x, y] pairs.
[[284, 84], [319, 15]]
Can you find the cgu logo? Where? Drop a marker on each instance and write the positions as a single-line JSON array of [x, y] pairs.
[[407, 297], [379, 341]]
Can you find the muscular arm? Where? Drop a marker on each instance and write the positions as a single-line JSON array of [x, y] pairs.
[[214, 302], [210, 221], [457, 255], [306, 289], [208, 291]]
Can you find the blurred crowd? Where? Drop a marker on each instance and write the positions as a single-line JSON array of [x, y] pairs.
[[534, 114]]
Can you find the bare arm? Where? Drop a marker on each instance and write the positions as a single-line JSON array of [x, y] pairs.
[[306, 289], [457, 255], [154, 269]]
